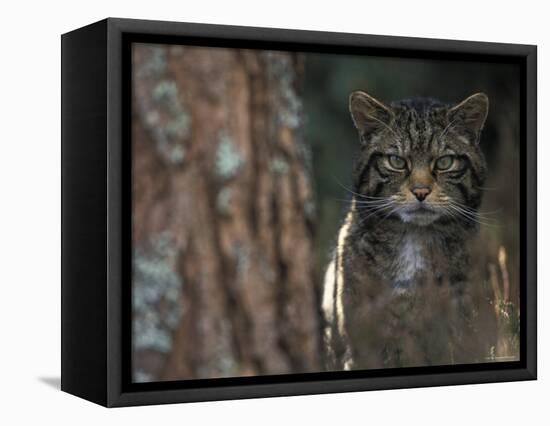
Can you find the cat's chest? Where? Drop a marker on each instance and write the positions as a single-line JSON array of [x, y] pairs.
[[412, 259]]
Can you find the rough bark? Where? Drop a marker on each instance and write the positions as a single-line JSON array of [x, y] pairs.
[[223, 264]]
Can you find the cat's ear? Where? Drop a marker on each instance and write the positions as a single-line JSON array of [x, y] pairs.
[[369, 115], [469, 116]]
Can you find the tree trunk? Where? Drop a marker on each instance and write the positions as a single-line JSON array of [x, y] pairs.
[[223, 267]]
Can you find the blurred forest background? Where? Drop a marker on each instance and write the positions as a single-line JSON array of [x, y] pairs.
[[239, 158]]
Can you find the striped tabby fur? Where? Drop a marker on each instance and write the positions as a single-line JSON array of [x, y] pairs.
[[394, 290]]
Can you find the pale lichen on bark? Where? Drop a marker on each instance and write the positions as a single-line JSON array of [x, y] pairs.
[[156, 296], [159, 102]]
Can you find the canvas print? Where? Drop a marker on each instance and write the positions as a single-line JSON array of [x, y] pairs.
[[299, 212]]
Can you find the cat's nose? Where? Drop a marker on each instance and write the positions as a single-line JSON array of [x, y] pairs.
[[421, 191]]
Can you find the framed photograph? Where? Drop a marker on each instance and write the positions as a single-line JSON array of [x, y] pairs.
[[252, 212]]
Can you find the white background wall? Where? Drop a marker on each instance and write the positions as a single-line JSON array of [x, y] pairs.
[[30, 211]]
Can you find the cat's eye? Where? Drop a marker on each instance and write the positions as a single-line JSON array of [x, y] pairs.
[[445, 162], [396, 162]]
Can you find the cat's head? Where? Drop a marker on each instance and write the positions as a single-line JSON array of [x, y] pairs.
[[420, 159]]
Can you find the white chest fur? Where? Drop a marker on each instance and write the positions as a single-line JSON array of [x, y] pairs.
[[410, 259]]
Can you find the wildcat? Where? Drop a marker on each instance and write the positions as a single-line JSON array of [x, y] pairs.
[[395, 290]]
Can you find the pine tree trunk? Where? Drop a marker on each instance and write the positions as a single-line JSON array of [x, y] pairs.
[[223, 268]]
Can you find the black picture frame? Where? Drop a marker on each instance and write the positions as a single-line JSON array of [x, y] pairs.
[[96, 245]]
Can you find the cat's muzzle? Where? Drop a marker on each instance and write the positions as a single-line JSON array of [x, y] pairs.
[[419, 213]]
